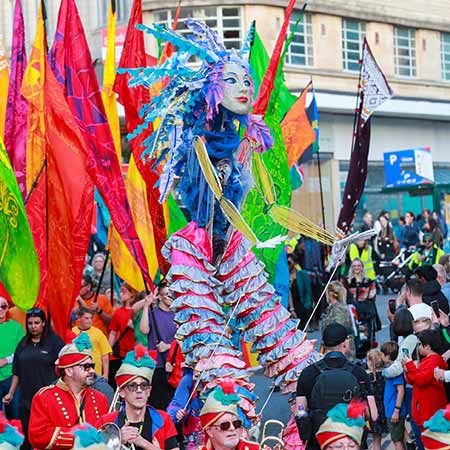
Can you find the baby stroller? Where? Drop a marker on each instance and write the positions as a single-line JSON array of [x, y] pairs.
[[396, 272]]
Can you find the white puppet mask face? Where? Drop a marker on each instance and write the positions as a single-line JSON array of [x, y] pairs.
[[237, 88]]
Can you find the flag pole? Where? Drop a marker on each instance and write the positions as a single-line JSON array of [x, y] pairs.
[[36, 181], [97, 292]]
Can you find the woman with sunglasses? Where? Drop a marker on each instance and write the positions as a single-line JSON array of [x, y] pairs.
[[38, 350], [220, 420], [10, 334]]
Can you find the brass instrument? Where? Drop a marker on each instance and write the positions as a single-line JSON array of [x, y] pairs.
[[277, 439]]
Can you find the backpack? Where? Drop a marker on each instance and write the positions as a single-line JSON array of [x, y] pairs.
[[333, 385]]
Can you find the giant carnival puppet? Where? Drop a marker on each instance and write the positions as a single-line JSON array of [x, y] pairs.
[[207, 149]]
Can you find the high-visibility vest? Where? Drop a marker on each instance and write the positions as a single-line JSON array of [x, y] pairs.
[[366, 257], [414, 263]]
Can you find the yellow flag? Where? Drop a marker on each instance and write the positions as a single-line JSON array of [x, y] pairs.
[[4, 81], [124, 264], [109, 75], [33, 91]]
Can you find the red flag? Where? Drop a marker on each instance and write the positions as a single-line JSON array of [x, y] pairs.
[[70, 200], [298, 134], [133, 55], [267, 83], [72, 64]]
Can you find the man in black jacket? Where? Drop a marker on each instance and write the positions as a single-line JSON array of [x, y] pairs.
[[431, 288]]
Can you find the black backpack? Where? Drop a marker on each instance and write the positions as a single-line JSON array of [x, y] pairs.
[[333, 385]]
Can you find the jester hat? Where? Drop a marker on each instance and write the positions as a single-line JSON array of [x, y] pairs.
[[437, 431], [343, 420], [88, 437], [137, 363], [77, 352], [10, 437]]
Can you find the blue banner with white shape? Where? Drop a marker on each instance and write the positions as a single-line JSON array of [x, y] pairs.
[[411, 167]]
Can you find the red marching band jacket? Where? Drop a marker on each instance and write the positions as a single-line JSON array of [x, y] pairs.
[[55, 412]]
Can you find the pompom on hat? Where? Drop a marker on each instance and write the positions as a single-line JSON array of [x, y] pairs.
[[77, 352], [89, 437], [137, 363], [221, 400], [343, 420], [10, 437], [437, 431]]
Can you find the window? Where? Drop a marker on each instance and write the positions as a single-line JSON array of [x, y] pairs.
[[405, 52], [445, 56], [300, 52], [226, 21], [122, 11], [353, 34]]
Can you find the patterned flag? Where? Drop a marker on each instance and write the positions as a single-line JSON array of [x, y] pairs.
[[33, 91], [373, 91], [298, 133], [19, 268], [16, 108], [4, 81], [313, 116], [133, 55], [72, 64], [109, 75]]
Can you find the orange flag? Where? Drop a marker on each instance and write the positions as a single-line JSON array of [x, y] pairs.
[[298, 134]]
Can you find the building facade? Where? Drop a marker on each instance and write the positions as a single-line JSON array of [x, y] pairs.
[[410, 42]]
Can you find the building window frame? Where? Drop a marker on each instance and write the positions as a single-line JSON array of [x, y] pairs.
[[353, 34], [222, 20], [301, 51], [445, 56], [122, 12], [405, 53]]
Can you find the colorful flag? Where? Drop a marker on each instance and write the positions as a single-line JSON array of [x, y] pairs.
[[313, 116], [19, 268], [70, 204], [36, 206], [298, 133], [297, 176], [16, 108], [109, 75], [4, 81], [133, 55], [275, 159], [374, 90], [72, 64]]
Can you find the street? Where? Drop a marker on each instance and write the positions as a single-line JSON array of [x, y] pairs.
[[277, 407]]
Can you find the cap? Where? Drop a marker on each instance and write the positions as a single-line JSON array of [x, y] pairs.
[[77, 352], [334, 334], [137, 363]]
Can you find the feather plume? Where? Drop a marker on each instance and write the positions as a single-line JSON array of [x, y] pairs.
[[209, 39], [356, 409], [139, 351]]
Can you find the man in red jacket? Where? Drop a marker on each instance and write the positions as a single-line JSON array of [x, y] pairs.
[[428, 393], [56, 409]]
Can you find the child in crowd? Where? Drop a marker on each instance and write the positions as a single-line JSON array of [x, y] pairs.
[[394, 398], [375, 366], [428, 393]]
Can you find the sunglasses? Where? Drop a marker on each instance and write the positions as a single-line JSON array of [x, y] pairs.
[[225, 426], [4, 306], [87, 367], [427, 241], [133, 387]]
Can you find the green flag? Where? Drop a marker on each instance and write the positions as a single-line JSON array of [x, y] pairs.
[[275, 159], [19, 267], [177, 219]]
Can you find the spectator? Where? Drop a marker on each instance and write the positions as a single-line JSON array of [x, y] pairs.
[[411, 295], [400, 231], [10, 335], [411, 231], [100, 305], [367, 222], [343, 428], [338, 312], [121, 335], [363, 251], [441, 223], [433, 229], [100, 345], [158, 323], [332, 380], [98, 262], [34, 364], [424, 219], [427, 275], [428, 254], [300, 292], [384, 241], [428, 393], [394, 398], [442, 280], [375, 366]]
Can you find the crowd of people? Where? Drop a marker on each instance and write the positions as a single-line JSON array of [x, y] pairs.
[[120, 362]]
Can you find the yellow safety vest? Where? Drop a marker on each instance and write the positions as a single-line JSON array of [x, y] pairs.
[[366, 258]]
